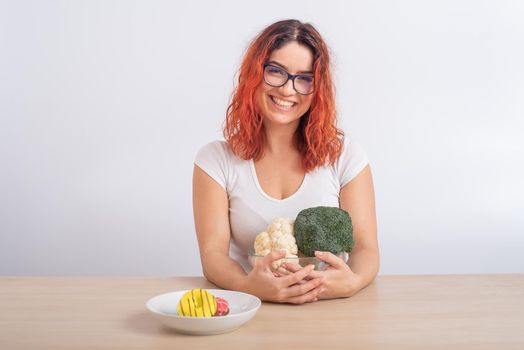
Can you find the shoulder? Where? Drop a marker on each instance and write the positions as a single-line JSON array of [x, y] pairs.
[[350, 148], [216, 149], [216, 159], [217, 146], [351, 161]]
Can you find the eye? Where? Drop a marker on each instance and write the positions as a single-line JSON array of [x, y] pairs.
[[306, 78], [274, 70]]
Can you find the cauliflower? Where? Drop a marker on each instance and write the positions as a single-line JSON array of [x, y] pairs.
[[279, 236]]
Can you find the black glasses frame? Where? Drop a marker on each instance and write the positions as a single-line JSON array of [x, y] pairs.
[[289, 76]]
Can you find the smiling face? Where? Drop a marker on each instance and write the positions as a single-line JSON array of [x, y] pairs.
[[283, 105]]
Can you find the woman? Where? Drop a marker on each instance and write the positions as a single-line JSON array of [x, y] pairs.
[[283, 153]]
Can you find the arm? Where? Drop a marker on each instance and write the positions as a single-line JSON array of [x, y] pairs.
[[211, 213], [341, 279], [358, 199]]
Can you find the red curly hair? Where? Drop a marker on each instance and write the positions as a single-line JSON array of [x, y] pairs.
[[317, 138]]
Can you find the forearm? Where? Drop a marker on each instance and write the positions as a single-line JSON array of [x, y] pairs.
[[223, 271], [364, 262]]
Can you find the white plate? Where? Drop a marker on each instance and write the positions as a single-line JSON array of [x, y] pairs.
[[242, 307]]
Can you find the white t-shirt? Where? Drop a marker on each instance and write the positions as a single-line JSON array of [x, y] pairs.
[[251, 210]]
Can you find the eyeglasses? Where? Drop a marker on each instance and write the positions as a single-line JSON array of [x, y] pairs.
[[277, 77]]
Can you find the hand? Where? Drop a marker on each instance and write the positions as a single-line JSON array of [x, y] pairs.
[[339, 281], [291, 288]]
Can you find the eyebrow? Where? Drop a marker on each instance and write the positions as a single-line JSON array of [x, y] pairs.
[[281, 65]]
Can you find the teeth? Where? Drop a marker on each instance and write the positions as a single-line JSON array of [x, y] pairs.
[[282, 103]]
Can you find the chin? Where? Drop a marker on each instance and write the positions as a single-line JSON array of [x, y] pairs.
[[278, 119]]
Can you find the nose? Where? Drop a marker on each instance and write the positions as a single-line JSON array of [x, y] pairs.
[[287, 89]]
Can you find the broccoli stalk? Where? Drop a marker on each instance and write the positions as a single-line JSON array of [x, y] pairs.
[[325, 229]]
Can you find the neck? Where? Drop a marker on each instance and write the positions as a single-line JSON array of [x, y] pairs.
[[280, 138]]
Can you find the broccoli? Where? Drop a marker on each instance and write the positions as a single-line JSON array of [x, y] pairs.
[[325, 229]]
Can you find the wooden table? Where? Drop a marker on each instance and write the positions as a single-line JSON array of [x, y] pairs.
[[395, 312]]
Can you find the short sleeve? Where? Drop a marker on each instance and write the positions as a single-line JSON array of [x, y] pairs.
[[351, 162], [213, 158]]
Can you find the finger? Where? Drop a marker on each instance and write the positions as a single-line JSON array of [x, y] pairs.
[[311, 296], [303, 288], [283, 271], [291, 266], [297, 276], [266, 261], [280, 272], [331, 259], [295, 267]]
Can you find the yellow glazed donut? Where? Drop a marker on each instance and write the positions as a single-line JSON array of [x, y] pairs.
[[197, 303]]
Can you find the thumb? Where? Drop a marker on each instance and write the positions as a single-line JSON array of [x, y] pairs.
[[272, 256], [331, 259]]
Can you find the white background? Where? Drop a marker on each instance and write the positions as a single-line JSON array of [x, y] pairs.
[[104, 104]]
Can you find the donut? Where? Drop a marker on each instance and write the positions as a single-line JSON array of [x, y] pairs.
[[222, 306], [197, 303]]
